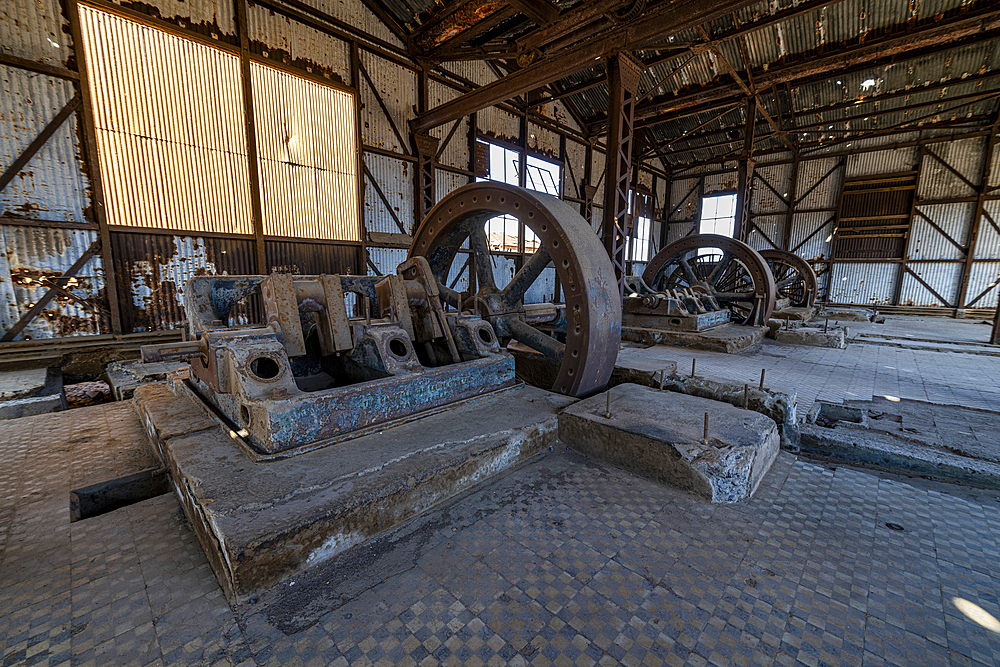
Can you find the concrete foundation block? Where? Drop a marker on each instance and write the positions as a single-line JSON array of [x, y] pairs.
[[659, 435], [813, 336], [794, 314], [728, 338], [260, 522]]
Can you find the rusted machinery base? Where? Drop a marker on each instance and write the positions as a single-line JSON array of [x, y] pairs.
[[728, 338], [262, 522]]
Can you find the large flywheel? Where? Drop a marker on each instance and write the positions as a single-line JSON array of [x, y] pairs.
[[793, 277], [730, 270], [593, 312]]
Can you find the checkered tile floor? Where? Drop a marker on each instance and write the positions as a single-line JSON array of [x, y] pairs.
[[562, 562]]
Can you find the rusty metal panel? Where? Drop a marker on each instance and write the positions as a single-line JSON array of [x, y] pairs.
[[52, 186], [818, 244], [171, 139], [495, 122], [683, 199], [773, 226], [988, 241], [542, 140], [359, 16], [677, 231], [386, 259], [458, 275], [982, 276], [152, 271], [825, 194], [35, 254], [964, 156], [720, 182], [779, 177], [598, 160], [943, 277], [862, 283], [278, 37], [397, 88], [307, 154], [210, 17], [576, 169], [881, 162], [456, 152], [395, 178], [35, 29], [476, 71], [928, 243], [302, 258], [446, 181]]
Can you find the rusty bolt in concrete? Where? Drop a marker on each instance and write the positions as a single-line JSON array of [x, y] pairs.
[[762, 379], [692, 367], [705, 438]]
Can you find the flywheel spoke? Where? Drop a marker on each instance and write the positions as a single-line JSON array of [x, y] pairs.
[[481, 256], [535, 339], [526, 277]]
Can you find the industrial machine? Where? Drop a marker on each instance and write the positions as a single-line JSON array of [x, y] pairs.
[[794, 278], [337, 356], [700, 282]]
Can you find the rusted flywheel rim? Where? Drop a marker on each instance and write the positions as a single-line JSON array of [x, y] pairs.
[[593, 303], [780, 262], [763, 294]]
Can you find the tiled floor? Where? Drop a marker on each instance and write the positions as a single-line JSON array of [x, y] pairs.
[[562, 562]]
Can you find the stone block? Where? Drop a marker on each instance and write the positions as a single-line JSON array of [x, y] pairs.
[[659, 435]]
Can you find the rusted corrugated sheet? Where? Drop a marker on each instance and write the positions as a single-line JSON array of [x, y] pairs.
[[773, 226], [278, 37], [152, 269], [721, 182], [359, 16], [928, 243], [307, 153], [458, 274], [495, 122], [779, 177], [386, 259], [981, 277], [576, 159], [395, 178], [314, 258], [890, 161], [397, 88], [35, 254], [52, 186], [804, 226], [825, 193], [558, 112], [988, 240], [597, 170], [446, 182], [542, 140], [476, 71], [35, 29], [683, 199], [942, 277], [964, 156], [206, 16], [862, 283]]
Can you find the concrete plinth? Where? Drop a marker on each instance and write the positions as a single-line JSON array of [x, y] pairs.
[[260, 522], [835, 337], [539, 371], [659, 435], [728, 338], [794, 313]]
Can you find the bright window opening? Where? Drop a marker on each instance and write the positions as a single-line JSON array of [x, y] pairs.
[[638, 250], [718, 215], [173, 146]]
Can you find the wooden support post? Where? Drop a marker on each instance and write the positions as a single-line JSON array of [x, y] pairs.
[[623, 83], [93, 162], [977, 216]]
